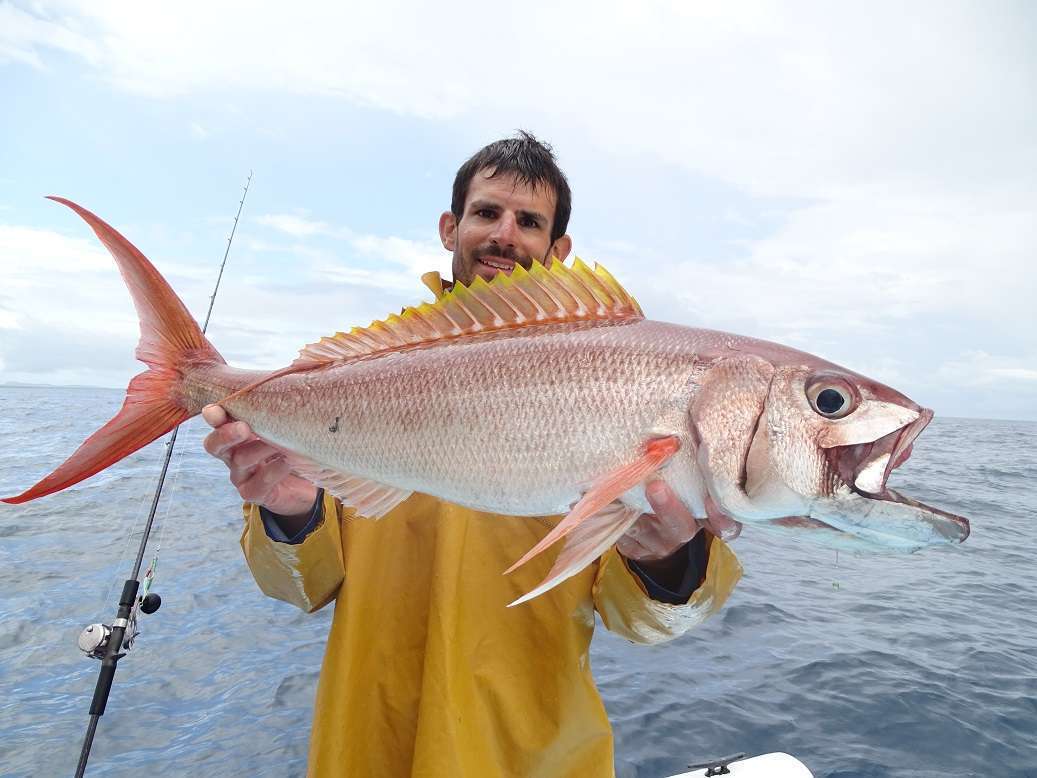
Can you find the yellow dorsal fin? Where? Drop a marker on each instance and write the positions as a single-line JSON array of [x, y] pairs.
[[434, 282], [537, 296]]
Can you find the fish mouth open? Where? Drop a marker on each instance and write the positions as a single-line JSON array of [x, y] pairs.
[[866, 467]]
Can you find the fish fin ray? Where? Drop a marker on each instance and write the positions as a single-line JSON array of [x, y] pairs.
[[556, 294], [586, 543], [370, 499], [606, 489]]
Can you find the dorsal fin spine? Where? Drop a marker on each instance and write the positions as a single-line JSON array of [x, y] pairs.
[[494, 303], [523, 305], [591, 301], [543, 294], [470, 302], [418, 315], [544, 284], [594, 286], [566, 299]]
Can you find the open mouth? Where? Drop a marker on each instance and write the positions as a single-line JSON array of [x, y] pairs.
[[865, 468], [498, 263]]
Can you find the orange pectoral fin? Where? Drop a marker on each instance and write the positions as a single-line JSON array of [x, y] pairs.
[[604, 491], [585, 544]]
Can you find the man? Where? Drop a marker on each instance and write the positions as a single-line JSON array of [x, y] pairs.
[[426, 671]]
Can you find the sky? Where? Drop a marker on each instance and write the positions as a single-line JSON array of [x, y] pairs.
[[858, 181]]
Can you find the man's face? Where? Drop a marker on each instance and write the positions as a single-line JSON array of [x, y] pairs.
[[504, 223]]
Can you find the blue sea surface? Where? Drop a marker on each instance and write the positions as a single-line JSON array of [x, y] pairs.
[[881, 665]]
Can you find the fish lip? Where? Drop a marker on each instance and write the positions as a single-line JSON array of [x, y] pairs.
[[902, 448]]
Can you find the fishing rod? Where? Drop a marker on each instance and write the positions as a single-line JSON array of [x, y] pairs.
[[106, 642]]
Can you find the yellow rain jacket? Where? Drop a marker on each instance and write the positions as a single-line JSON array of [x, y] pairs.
[[428, 673]]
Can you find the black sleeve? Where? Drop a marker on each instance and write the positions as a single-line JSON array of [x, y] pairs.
[[273, 526], [694, 552]]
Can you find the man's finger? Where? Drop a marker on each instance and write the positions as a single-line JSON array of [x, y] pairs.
[[666, 504], [220, 441], [675, 522], [214, 415], [630, 547], [259, 486], [241, 472], [243, 458], [724, 527]]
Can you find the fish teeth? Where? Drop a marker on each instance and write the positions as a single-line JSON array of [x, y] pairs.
[[870, 478]]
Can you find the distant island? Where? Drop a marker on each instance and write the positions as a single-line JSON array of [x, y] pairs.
[[24, 385]]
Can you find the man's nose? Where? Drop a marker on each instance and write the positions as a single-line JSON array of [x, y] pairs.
[[505, 230]]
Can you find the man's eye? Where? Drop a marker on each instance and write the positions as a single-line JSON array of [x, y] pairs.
[[486, 213], [529, 222]]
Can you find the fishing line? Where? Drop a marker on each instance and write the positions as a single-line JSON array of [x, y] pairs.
[[173, 487], [138, 519], [106, 642], [149, 574]]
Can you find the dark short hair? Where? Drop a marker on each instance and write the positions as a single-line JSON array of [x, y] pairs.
[[532, 163]]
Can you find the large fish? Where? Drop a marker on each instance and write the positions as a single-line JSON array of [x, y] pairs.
[[543, 392]]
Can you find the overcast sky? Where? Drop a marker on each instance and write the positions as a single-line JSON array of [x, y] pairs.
[[859, 181]]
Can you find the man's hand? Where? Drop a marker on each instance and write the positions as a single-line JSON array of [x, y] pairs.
[[257, 469], [657, 536]]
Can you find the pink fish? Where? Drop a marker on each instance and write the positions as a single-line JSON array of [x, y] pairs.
[[542, 392]]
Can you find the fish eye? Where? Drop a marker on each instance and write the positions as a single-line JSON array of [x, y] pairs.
[[830, 399]]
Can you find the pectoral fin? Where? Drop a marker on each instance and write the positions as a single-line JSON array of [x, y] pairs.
[[604, 491], [585, 544]]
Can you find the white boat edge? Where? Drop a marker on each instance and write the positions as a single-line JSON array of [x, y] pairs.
[[776, 765]]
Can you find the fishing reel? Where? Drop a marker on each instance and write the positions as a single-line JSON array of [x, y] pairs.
[[93, 640]]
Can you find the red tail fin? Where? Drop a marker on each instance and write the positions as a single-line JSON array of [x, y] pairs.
[[169, 341]]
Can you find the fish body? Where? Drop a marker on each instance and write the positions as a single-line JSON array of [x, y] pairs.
[[544, 392], [518, 424]]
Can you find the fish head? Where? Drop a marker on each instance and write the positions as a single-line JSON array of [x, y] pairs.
[[824, 449]]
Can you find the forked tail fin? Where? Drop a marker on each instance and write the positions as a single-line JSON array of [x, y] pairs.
[[170, 340]]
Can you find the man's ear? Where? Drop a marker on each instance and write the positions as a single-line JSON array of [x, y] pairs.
[[448, 230], [561, 247]]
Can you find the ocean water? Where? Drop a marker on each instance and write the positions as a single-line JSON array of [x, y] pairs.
[[879, 665]]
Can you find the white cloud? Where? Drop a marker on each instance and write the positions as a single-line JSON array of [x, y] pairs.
[[385, 262], [1017, 373], [978, 368], [776, 98], [294, 224], [22, 34], [414, 257], [9, 320]]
